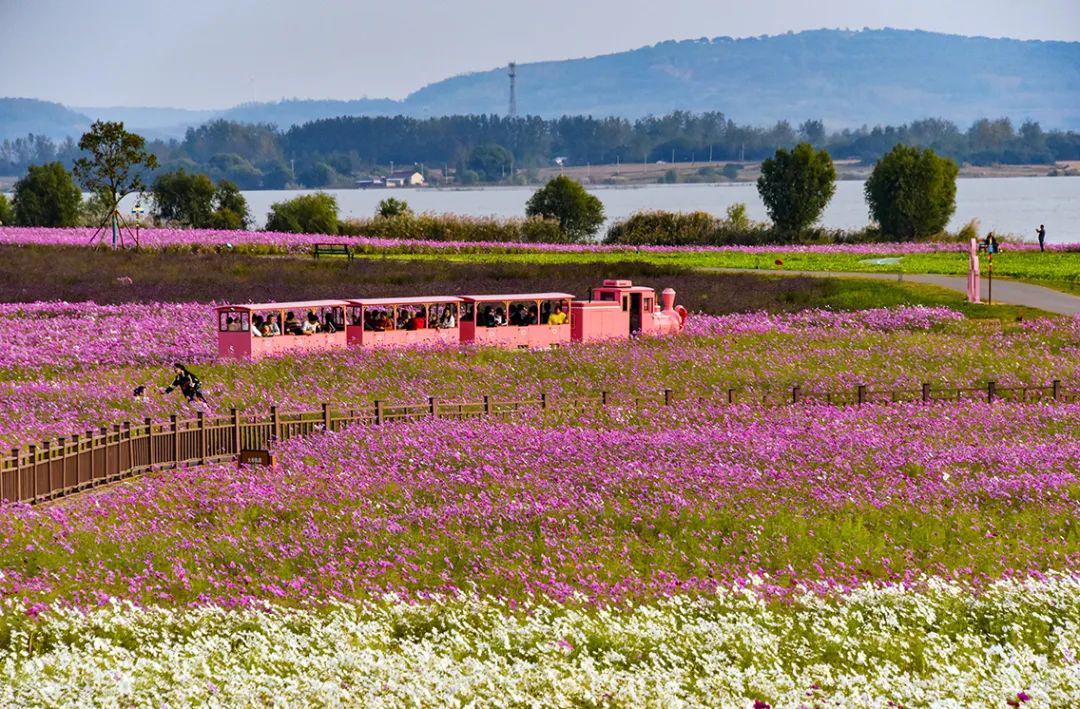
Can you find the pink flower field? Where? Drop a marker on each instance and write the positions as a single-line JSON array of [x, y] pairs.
[[175, 238]]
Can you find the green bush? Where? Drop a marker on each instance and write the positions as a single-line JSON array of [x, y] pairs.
[[579, 213], [392, 207], [911, 192], [307, 214], [450, 227], [796, 185], [7, 212], [47, 196]]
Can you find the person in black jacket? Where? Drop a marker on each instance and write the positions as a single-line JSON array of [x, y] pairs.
[[188, 384]]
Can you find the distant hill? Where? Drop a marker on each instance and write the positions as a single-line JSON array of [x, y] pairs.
[[21, 116], [846, 78]]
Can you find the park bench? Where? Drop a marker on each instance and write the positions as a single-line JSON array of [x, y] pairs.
[[333, 250]]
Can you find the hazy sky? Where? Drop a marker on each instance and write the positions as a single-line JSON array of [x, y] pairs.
[[217, 53]]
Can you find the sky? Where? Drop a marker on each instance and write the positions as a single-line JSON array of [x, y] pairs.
[[219, 53]]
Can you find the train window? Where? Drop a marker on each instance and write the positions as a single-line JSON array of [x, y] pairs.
[[648, 305], [523, 312], [356, 315], [607, 295], [412, 317], [625, 303], [491, 315], [443, 316], [559, 309], [378, 319], [234, 322]]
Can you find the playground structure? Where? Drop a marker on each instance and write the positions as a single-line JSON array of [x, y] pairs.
[[617, 309]]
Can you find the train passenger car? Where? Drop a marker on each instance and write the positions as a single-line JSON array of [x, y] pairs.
[[517, 320], [255, 330], [397, 322], [619, 309]]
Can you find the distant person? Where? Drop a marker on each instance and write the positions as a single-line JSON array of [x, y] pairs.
[[271, 329], [311, 324], [448, 319], [558, 317], [188, 384], [419, 322], [292, 325], [257, 325], [1041, 231]]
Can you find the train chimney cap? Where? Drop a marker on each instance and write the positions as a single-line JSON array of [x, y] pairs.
[[618, 283]]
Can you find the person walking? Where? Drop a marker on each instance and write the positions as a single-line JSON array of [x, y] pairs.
[[1041, 231], [188, 384]]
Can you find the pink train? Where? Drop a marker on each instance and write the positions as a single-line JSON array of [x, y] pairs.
[[615, 310]]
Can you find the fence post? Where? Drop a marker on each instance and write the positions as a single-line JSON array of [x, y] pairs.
[[18, 475], [433, 407], [275, 424], [149, 441], [731, 396], [201, 418], [33, 472], [93, 456], [76, 442], [1055, 389], [46, 455], [795, 393], [991, 390], [378, 411], [543, 400], [174, 424], [130, 445], [488, 407], [667, 397], [925, 392], [860, 394], [236, 430], [603, 398], [326, 417], [116, 435]]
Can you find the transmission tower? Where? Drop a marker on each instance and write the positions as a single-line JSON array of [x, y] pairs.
[[513, 89]]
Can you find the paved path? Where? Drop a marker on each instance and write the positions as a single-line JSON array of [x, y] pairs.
[[1005, 291]]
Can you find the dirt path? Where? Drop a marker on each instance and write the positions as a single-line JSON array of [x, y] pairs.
[[1005, 291]]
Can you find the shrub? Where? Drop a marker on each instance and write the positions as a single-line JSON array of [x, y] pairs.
[[47, 196], [796, 185], [307, 214], [579, 213], [7, 212], [192, 200], [450, 227], [911, 192], [392, 207]]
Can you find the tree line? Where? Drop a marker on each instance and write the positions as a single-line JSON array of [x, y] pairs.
[[489, 148]]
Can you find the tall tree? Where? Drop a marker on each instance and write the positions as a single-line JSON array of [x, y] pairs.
[[579, 213], [796, 186], [47, 196], [115, 163], [911, 192]]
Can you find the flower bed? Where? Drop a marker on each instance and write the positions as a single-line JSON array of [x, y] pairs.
[[943, 644], [280, 241]]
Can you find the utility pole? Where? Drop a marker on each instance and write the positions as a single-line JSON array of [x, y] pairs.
[[512, 73]]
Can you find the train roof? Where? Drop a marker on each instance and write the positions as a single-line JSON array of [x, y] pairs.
[[295, 305], [498, 298], [416, 300]]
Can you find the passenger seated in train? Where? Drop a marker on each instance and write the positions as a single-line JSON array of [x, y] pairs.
[[498, 317], [560, 316], [311, 324], [545, 311], [292, 325], [448, 320], [257, 325], [328, 325], [271, 328], [519, 315], [232, 324], [418, 322]]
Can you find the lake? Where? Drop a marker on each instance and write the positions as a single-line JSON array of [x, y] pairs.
[[1006, 205]]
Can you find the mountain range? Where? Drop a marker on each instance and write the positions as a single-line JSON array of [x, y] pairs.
[[846, 78]]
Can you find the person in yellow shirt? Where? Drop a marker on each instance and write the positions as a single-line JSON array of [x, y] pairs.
[[560, 316]]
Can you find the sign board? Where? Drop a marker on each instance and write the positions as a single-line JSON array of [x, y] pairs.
[[255, 456]]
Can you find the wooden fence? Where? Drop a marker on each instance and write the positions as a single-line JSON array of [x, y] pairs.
[[68, 465]]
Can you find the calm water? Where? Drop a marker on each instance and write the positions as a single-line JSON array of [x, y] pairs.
[[1006, 205]]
